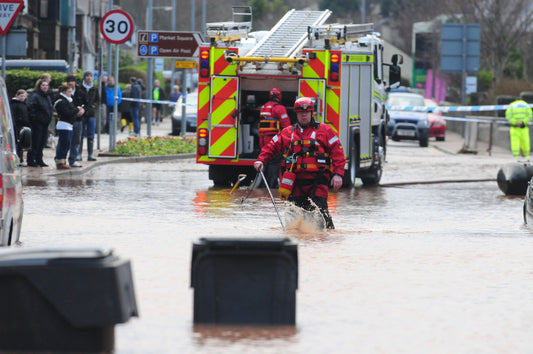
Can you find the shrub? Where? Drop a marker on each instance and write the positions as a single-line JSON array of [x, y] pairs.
[[156, 146]]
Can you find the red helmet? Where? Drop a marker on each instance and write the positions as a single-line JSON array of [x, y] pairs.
[[303, 104], [275, 93]]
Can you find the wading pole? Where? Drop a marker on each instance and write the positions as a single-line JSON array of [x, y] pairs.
[[254, 184], [272, 198]]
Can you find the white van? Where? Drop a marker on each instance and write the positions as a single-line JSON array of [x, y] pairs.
[[11, 204]]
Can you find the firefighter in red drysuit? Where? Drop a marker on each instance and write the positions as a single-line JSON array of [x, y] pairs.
[[273, 119], [314, 153]]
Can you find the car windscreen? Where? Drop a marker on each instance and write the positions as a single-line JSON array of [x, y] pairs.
[[397, 100]]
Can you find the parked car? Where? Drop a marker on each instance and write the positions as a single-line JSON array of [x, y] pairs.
[[11, 204], [191, 113], [437, 123], [407, 124]]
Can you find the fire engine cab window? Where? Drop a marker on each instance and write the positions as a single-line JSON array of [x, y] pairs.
[[378, 70]]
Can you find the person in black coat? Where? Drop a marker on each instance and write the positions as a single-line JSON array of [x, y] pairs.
[[91, 100], [67, 114], [40, 111], [21, 119]]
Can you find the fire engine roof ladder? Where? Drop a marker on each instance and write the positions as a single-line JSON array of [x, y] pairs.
[[339, 32], [289, 35], [231, 30]]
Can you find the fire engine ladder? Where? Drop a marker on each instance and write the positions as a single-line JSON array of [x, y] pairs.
[[289, 35], [231, 30], [339, 32]]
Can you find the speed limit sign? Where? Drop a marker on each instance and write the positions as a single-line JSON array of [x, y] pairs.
[[116, 26]]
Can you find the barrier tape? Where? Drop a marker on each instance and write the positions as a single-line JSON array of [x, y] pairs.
[[478, 120], [455, 109], [142, 100]]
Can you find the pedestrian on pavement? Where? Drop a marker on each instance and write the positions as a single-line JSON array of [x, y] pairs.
[[315, 160], [40, 111], [158, 95], [103, 103], [519, 116], [21, 121], [273, 119], [135, 106], [110, 99], [50, 134], [91, 100], [78, 98], [125, 110], [174, 97], [67, 114]]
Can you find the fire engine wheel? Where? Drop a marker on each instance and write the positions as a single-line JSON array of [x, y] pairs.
[[373, 175]]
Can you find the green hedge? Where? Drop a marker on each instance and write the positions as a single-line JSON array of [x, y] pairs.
[[26, 79]]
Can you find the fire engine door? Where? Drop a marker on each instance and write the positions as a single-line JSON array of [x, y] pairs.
[[357, 82], [315, 89], [223, 118]]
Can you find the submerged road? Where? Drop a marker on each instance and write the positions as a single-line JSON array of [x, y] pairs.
[[412, 266]]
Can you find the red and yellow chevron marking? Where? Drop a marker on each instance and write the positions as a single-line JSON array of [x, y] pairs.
[[204, 95], [220, 66], [333, 105], [313, 88], [223, 142], [223, 104], [316, 68], [224, 100]]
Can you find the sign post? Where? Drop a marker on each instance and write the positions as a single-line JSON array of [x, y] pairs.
[[9, 10], [116, 27]]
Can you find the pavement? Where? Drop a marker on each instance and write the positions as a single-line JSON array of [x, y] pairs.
[[101, 152], [454, 144]]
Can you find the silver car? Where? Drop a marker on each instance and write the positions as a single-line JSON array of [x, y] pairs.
[[11, 204]]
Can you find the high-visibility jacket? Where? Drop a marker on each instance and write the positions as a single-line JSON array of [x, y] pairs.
[[519, 114], [273, 118], [314, 153]]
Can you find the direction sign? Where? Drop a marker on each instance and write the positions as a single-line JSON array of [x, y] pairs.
[[168, 44], [116, 26], [9, 10]]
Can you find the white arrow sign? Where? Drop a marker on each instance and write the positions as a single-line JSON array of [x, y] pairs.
[[9, 10]]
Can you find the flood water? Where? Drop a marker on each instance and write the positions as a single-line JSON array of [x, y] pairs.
[[437, 268]]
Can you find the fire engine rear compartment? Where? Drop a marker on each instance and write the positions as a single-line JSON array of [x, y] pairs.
[[254, 93]]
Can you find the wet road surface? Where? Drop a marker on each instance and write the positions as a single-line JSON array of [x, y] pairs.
[[410, 268]]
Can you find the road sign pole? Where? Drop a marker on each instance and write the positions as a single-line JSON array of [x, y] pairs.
[[184, 102], [114, 119], [150, 79], [4, 49]]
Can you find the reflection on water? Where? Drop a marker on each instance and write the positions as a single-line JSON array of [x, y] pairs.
[[425, 268]]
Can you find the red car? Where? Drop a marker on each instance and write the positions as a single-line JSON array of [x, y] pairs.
[[437, 127]]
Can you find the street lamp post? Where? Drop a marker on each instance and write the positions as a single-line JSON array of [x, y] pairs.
[[150, 69]]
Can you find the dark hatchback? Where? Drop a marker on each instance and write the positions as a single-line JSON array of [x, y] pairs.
[[190, 123]]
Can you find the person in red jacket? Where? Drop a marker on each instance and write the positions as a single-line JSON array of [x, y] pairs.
[[314, 157], [273, 119]]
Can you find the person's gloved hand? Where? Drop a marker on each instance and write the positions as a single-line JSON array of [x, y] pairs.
[[336, 182], [258, 165]]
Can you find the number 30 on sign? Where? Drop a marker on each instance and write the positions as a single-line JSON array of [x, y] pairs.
[[116, 26]]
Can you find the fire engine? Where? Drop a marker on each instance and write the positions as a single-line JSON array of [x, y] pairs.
[[339, 66]]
